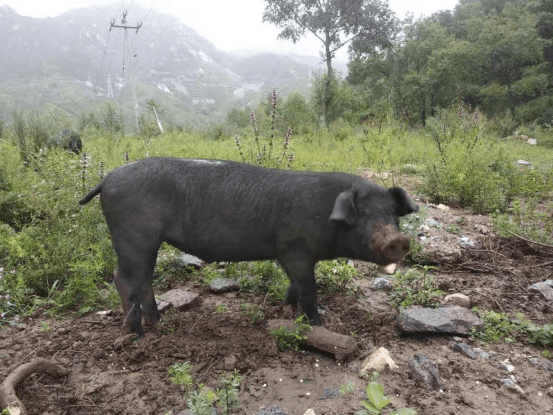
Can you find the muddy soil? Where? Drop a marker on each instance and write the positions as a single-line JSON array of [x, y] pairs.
[[112, 374]]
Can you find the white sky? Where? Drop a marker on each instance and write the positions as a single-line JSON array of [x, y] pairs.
[[229, 25]]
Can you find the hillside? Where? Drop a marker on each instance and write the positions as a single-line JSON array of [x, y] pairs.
[[74, 63]]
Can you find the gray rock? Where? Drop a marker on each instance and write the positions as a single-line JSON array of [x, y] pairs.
[[506, 367], [190, 260], [470, 352], [426, 371], [532, 141], [272, 410], [448, 319], [434, 223], [546, 364], [382, 284], [329, 393], [221, 285], [511, 385], [180, 299], [458, 299], [549, 282], [467, 243], [544, 288], [523, 163]]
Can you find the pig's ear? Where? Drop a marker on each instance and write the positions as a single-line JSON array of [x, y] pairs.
[[344, 208], [402, 204]]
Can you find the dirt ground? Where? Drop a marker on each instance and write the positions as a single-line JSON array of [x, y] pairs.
[[111, 374]]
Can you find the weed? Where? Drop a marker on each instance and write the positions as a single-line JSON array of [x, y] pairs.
[[181, 374], [497, 327], [252, 313], [168, 322], [547, 354], [333, 276], [267, 278], [228, 393], [290, 340], [346, 389], [415, 287], [45, 327], [200, 401], [454, 229], [220, 308], [378, 401]]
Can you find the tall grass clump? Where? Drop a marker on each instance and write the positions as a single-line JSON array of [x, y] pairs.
[[53, 252], [264, 153], [472, 167]]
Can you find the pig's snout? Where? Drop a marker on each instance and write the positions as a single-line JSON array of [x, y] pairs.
[[390, 244]]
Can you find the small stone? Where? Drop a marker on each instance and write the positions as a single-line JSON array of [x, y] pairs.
[[426, 371], [470, 352], [443, 207], [532, 141], [382, 284], [458, 299], [221, 285], [434, 223], [388, 269], [545, 364], [377, 362], [448, 319], [523, 163], [543, 288], [511, 385], [190, 260], [180, 299], [309, 411], [506, 367]]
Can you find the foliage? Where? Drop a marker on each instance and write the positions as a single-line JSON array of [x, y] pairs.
[[201, 401], [181, 374], [415, 287], [268, 278], [378, 401], [290, 340], [346, 389], [252, 313], [228, 393], [472, 169], [497, 327], [539, 335], [367, 24], [333, 276], [524, 218]]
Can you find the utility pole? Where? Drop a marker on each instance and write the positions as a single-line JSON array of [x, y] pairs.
[[127, 50]]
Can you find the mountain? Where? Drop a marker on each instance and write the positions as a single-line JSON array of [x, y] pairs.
[[80, 60]]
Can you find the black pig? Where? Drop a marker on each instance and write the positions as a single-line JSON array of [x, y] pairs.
[[227, 211]]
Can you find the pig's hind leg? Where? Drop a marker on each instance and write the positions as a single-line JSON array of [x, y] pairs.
[[134, 282]]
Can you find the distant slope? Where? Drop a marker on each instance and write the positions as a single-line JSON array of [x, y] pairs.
[[67, 63]]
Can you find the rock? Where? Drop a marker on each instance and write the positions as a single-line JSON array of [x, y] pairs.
[[532, 141], [523, 163], [190, 260], [434, 223], [511, 385], [443, 207], [382, 284], [221, 285], [309, 412], [484, 230], [180, 299], [467, 243], [162, 306], [424, 370], [377, 362], [506, 367], [470, 352], [388, 269], [272, 410], [447, 319], [458, 299], [524, 137], [544, 288], [545, 364]]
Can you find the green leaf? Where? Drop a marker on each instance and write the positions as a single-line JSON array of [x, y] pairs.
[[404, 411], [375, 392], [369, 407]]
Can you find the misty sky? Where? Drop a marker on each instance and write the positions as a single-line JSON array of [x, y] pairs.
[[229, 25]]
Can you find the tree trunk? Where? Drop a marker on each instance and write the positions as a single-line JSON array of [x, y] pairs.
[[325, 100]]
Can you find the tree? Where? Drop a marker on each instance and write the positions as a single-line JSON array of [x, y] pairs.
[[367, 24]]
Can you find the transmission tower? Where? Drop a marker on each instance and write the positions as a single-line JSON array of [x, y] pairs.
[[127, 52]]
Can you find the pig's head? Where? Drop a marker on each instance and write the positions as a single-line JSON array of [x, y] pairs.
[[369, 219]]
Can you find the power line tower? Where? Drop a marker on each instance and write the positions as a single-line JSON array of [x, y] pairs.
[[127, 52]]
